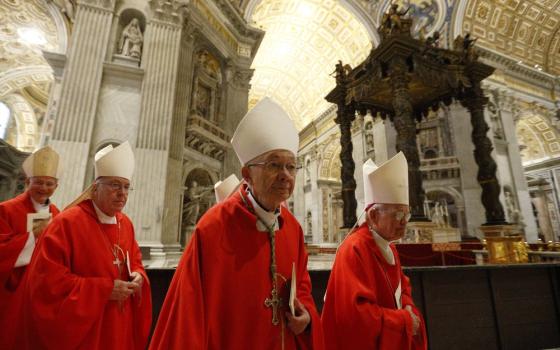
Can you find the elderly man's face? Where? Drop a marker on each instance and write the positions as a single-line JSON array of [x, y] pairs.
[[110, 194], [388, 220], [271, 177], [41, 188]]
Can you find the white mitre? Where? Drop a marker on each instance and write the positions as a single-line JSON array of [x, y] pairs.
[[118, 161], [264, 128], [42, 162], [109, 161], [222, 189], [387, 183]]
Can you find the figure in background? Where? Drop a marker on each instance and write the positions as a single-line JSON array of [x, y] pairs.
[[86, 286], [233, 286], [22, 221], [368, 303]]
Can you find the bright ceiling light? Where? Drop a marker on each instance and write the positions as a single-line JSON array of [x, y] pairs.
[[32, 36], [306, 10]]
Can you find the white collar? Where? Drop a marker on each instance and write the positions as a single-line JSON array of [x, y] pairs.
[[384, 247], [40, 207], [268, 217], [104, 218]]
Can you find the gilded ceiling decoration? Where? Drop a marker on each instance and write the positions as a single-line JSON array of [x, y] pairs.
[[26, 28], [538, 140], [527, 30], [304, 40]]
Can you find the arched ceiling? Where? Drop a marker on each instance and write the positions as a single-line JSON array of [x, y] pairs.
[[539, 140], [527, 30], [304, 39], [26, 28]]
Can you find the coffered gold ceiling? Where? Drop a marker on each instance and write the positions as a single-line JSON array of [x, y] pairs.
[[26, 28], [527, 30], [304, 39], [538, 139]]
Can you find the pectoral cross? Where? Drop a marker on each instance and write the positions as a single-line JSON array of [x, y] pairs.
[[274, 303]]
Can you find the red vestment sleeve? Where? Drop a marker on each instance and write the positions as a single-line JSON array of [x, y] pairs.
[[312, 338], [142, 304], [62, 306], [419, 341], [352, 317], [181, 323]]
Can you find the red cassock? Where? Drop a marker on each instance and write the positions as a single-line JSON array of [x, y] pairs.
[[360, 311], [13, 236], [217, 296], [70, 280]]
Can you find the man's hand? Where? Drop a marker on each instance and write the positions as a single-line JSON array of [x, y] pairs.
[[298, 322], [122, 290], [39, 226], [137, 280], [415, 320]]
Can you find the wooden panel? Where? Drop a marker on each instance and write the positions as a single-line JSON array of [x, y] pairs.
[[526, 309], [458, 310]]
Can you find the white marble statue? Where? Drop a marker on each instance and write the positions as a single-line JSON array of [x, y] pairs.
[[131, 40]]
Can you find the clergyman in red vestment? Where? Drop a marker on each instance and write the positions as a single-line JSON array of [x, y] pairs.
[[17, 242], [232, 288], [87, 287], [368, 303]]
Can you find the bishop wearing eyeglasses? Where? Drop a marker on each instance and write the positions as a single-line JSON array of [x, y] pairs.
[[368, 303], [86, 286], [17, 237], [232, 287]]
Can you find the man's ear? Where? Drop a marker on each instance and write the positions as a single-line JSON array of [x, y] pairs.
[[27, 181], [246, 173]]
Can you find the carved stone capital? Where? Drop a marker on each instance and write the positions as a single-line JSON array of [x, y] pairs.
[[239, 77], [107, 5], [168, 11]]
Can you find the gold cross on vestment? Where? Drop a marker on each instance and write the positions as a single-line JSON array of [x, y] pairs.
[[274, 303]]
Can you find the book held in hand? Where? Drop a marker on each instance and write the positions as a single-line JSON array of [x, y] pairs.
[[36, 219]]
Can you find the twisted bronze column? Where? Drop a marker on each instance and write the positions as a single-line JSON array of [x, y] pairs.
[[475, 102]]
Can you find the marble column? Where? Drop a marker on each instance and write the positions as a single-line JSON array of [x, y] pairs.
[[76, 107], [508, 119], [156, 202], [461, 128], [237, 100]]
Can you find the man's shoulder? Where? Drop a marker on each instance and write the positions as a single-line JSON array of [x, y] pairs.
[[357, 239], [18, 200]]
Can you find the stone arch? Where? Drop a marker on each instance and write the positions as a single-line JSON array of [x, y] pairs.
[[454, 201], [538, 138], [26, 128], [330, 161]]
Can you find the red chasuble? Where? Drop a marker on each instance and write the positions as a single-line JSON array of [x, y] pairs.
[[13, 236], [70, 280], [360, 310], [217, 297]]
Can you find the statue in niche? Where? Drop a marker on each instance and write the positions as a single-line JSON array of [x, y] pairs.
[[131, 40], [495, 120], [437, 215], [369, 142], [202, 101], [308, 172], [514, 215], [193, 198]]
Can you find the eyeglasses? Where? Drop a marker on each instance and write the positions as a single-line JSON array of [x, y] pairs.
[[48, 183], [276, 167], [115, 186], [400, 215]]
